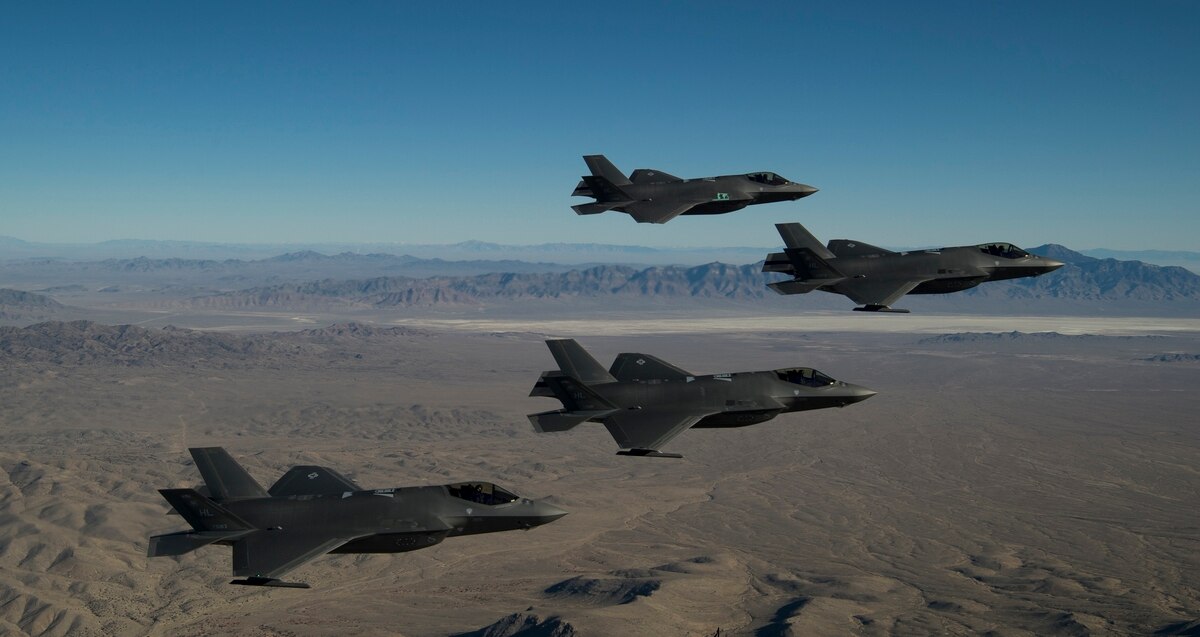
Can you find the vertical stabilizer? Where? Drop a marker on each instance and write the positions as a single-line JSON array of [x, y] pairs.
[[574, 361], [225, 478], [202, 513], [601, 167], [797, 236]]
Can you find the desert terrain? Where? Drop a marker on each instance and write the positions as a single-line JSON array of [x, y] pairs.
[[1041, 481]]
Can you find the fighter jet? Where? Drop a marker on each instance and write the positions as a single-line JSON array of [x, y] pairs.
[[876, 278], [653, 196], [314, 510], [645, 401]]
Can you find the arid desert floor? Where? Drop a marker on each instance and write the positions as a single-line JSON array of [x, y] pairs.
[[1000, 483]]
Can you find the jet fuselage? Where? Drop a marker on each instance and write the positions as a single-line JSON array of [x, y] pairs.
[[722, 194], [399, 519], [741, 398], [947, 270]]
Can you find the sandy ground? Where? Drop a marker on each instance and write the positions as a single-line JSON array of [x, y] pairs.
[[1022, 486]]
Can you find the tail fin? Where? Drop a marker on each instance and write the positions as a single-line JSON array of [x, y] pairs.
[[810, 267], [574, 361], [806, 259], [606, 191], [580, 403], [225, 478], [202, 513], [574, 395], [797, 236], [601, 167]]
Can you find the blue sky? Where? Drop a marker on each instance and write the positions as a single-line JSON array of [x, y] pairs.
[[922, 123]]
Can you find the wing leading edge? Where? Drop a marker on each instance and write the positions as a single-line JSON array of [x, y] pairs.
[[647, 430], [266, 555]]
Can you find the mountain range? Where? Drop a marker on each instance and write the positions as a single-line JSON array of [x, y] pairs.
[[560, 253], [1105, 283], [312, 281]]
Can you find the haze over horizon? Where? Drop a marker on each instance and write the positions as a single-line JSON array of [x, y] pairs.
[[926, 124]]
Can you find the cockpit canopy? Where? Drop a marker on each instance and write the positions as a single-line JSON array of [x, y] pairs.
[[806, 376], [1005, 250], [769, 179], [481, 493]]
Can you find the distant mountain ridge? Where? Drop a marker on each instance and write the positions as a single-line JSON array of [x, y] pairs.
[[560, 252], [1085, 279], [711, 281]]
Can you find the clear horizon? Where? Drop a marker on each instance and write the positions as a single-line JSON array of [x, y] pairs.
[[931, 123]]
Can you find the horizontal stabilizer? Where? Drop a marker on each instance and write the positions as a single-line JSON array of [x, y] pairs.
[[605, 190], [800, 287], [648, 453], [226, 479], [574, 395], [630, 367], [778, 262], [188, 541], [598, 207], [807, 264], [202, 513], [312, 480], [559, 420], [268, 581]]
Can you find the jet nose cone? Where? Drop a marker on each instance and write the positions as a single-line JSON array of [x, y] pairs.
[[1052, 265], [804, 190], [857, 393], [547, 513]]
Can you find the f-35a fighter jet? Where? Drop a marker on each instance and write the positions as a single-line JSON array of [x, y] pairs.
[[645, 402], [652, 196], [875, 278], [313, 510]]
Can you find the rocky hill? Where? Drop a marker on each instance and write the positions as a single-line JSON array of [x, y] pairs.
[[82, 342], [88, 342], [18, 305]]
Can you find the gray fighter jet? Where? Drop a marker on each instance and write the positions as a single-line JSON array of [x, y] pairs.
[[875, 278], [652, 196], [645, 401], [313, 510]]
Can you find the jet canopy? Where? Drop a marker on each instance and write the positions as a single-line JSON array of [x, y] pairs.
[[1005, 250], [806, 376], [480, 492], [768, 179]]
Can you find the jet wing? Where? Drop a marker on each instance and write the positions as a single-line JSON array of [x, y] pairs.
[[312, 480], [649, 429], [269, 554], [878, 292], [658, 212]]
